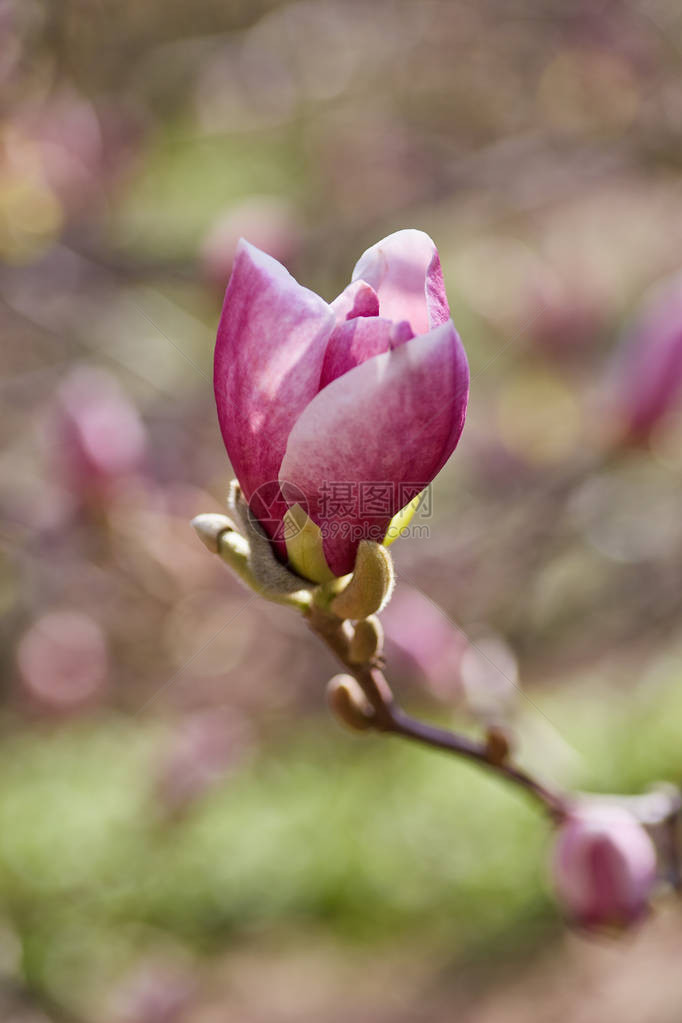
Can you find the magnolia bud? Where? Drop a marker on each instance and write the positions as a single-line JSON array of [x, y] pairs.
[[210, 527], [603, 867], [367, 640], [370, 585], [498, 743], [648, 373], [252, 558], [349, 704]]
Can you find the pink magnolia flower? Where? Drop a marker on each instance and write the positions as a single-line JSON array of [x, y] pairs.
[[649, 375], [101, 437], [604, 866], [78, 150], [348, 409], [201, 752], [61, 137], [63, 660], [426, 639], [156, 992], [269, 221]]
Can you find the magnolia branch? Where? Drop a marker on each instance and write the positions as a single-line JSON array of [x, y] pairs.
[[660, 807], [386, 716], [370, 703]]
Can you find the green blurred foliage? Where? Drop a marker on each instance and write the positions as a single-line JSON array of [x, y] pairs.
[[381, 843]]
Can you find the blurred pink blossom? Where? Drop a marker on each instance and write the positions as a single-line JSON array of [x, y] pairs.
[[563, 322], [77, 150], [201, 751], [60, 137], [489, 676], [426, 637], [648, 373], [603, 867], [268, 222], [98, 433], [62, 660], [155, 994]]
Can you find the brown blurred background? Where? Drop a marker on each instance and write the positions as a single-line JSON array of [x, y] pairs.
[[185, 837]]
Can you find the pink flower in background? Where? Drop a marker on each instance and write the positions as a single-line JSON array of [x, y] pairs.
[[340, 407], [604, 867], [60, 136], [63, 660], [98, 433], [156, 992], [564, 322], [270, 223], [649, 373], [77, 150], [426, 638], [201, 752]]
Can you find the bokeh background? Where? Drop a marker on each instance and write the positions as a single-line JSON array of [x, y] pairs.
[[185, 835]]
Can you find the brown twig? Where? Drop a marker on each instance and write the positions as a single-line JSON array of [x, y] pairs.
[[388, 717]]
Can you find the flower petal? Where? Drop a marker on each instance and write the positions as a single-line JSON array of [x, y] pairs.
[[404, 270], [355, 341], [268, 359], [648, 374], [375, 437], [358, 299]]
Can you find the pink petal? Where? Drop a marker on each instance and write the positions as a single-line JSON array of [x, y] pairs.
[[604, 866], [355, 341], [390, 423], [358, 299], [268, 359], [649, 375], [404, 270]]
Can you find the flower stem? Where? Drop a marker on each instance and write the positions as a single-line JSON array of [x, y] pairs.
[[389, 718]]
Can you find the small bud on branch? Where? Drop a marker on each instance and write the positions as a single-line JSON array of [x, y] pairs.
[[349, 704]]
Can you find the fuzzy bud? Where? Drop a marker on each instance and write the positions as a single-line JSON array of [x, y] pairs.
[[210, 527], [370, 585], [250, 555], [349, 704], [367, 641], [499, 743]]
